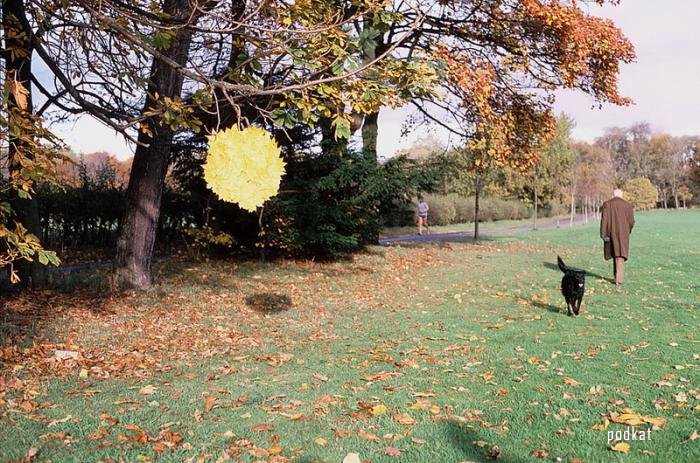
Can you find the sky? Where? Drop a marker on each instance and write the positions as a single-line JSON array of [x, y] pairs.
[[664, 83]]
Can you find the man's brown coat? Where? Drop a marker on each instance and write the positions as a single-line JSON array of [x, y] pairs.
[[616, 222]]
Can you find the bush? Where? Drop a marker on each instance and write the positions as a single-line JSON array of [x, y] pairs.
[[641, 193], [452, 208], [331, 204], [442, 209]]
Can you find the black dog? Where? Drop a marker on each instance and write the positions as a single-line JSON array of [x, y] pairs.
[[573, 286]]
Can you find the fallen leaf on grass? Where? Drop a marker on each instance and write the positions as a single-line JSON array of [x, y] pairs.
[[381, 376], [320, 441], [601, 427], [148, 390], [263, 427], [392, 452], [66, 354], [540, 453], [352, 458], [368, 435], [62, 420], [404, 418], [623, 447], [631, 418], [378, 410], [571, 382], [693, 436], [209, 403]]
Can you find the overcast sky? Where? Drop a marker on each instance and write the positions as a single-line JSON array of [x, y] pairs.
[[664, 82]]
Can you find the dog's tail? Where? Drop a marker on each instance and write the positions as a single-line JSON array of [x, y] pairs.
[[562, 266]]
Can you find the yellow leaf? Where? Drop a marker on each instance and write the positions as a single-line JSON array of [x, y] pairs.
[[601, 427], [378, 410], [321, 441], [83, 373], [621, 447]]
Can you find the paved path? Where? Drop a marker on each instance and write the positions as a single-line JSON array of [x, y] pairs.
[[544, 224]]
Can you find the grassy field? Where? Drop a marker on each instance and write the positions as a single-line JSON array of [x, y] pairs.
[[435, 353]]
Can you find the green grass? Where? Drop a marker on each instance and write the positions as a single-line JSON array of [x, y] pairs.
[[475, 331]]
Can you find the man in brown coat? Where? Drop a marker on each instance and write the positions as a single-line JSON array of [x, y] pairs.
[[616, 222]]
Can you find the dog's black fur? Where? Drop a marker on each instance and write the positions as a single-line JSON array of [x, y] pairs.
[[573, 285]]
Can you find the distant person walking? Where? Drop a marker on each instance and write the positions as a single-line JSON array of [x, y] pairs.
[[616, 222], [423, 209]]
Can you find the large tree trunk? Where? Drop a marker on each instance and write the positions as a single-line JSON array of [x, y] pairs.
[[150, 165], [370, 128], [18, 72]]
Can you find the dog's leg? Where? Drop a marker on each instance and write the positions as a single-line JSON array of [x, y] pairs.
[[577, 309], [568, 309]]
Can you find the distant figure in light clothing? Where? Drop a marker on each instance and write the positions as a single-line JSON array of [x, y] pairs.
[[616, 222], [423, 209]]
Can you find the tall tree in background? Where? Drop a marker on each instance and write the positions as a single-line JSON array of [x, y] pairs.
[[594, 177]]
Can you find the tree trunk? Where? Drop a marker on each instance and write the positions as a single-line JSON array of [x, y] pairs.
[[370, 127], [370, 132], [573, 208], [143, 196], [477, 192], [18, 69], [534, 224]]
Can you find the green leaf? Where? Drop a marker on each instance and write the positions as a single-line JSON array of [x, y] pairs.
[[342, 128]]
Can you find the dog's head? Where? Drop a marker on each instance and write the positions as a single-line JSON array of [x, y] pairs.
[[580, 278]]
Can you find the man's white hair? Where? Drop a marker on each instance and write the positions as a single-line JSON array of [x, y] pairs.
[[617, 193]]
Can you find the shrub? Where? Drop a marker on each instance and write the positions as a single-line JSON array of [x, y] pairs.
[[442, 209], [331, 204], [452, 208], [641, 193]]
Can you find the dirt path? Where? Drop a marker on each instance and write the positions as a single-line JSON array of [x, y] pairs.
[[545, 224]]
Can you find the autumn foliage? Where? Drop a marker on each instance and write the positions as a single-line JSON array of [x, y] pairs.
[[503, 87]]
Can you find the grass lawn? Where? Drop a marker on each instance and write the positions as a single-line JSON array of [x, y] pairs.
[[448, 352]]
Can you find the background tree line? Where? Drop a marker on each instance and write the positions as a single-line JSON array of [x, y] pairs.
[[655, 170], [166, 73]]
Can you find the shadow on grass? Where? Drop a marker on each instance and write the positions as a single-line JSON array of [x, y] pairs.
[[269, 303], [437, 240], [464, 439], [541, 305], [553, 266]]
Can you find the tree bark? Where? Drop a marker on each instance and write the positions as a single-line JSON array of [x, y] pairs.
[[370, 132], [573, 208], [534, 225], [143, 197], [18, 68], [477, 191]]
